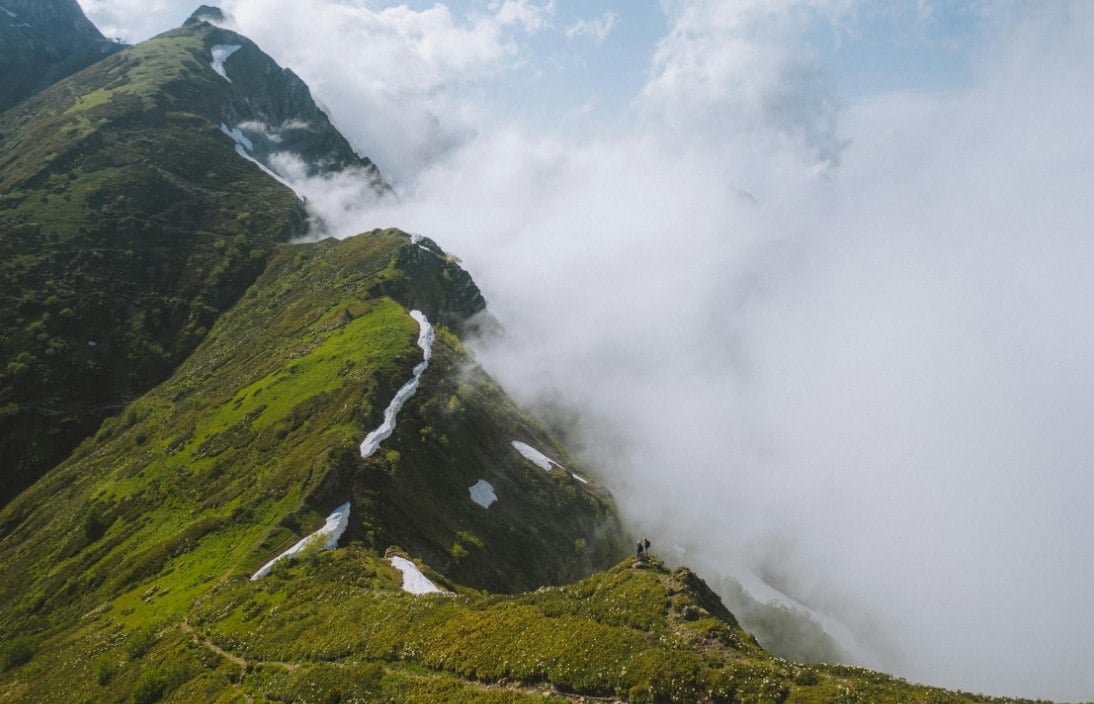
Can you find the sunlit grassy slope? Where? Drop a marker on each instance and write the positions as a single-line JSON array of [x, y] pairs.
[[127, 567]]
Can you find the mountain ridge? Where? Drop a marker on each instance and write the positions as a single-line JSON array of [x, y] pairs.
[[43, 41], [131, 563]]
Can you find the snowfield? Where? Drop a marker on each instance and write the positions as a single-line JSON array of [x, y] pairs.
[[413, 580], [426, 336], [221, 52], [327, 536], [483, 494], [535, 456]]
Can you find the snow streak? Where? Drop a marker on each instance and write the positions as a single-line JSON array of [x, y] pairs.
[[413, 580], [221, 52], [328, 535], [426, 336], [535, 456]]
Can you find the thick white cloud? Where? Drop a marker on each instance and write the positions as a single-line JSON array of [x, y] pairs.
[[873, 384], [743, 68]]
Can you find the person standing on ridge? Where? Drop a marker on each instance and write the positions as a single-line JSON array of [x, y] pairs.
[[639, 551]]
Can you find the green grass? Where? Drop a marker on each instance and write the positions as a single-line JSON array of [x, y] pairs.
[[254, 438], [121, 206]]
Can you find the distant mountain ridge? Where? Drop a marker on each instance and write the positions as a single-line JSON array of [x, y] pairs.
[[43, 41]]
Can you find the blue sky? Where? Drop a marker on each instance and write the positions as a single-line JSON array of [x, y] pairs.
[[578, 81]]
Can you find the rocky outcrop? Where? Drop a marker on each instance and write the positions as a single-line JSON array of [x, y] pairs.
[[273, 109]]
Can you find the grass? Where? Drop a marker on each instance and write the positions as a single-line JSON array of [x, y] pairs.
[[251, 442], [121, 207]]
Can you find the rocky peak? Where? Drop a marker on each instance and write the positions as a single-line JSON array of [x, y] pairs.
[[269, 111], [207, 13]]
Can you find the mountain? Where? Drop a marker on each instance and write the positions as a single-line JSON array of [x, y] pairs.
[[241, 467], [43, 41], [131, 569], [137, 205]]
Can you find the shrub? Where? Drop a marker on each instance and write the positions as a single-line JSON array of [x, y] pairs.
[[105, 669], [140, 642], [150, 687], [17, 652]]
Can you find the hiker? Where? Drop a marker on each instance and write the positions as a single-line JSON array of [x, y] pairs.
[[646, 544], [639, 551]]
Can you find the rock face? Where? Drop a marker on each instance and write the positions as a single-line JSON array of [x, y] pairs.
[[274, 110], [43, 41]]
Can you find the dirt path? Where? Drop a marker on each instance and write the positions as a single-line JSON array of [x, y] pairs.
[[541, 691]]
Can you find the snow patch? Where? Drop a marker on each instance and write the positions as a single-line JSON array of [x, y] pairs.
[[426, 336], [8, 12], [237, 134], [483, 494], [535, 456], [327, 536], [244, 145], [583, 480], [413, 580], [221, 52]]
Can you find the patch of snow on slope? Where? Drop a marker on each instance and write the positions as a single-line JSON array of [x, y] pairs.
[[237, 134], [483, 494], [583, 480], [221, 52], [425, 340], [243, 145], [535, 456], [413, 580], [329, 534]]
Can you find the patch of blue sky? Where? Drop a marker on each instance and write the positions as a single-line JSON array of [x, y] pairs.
[[927, 48]]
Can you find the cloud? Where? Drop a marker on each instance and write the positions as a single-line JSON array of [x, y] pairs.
[[597, 28], [529, 15], [386, 74], [869, 384], [745, 68], [133, 21]]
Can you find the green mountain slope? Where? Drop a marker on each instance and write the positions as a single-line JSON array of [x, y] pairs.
[[129, 221], [43, 41], [127, 568], [256, 436]]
